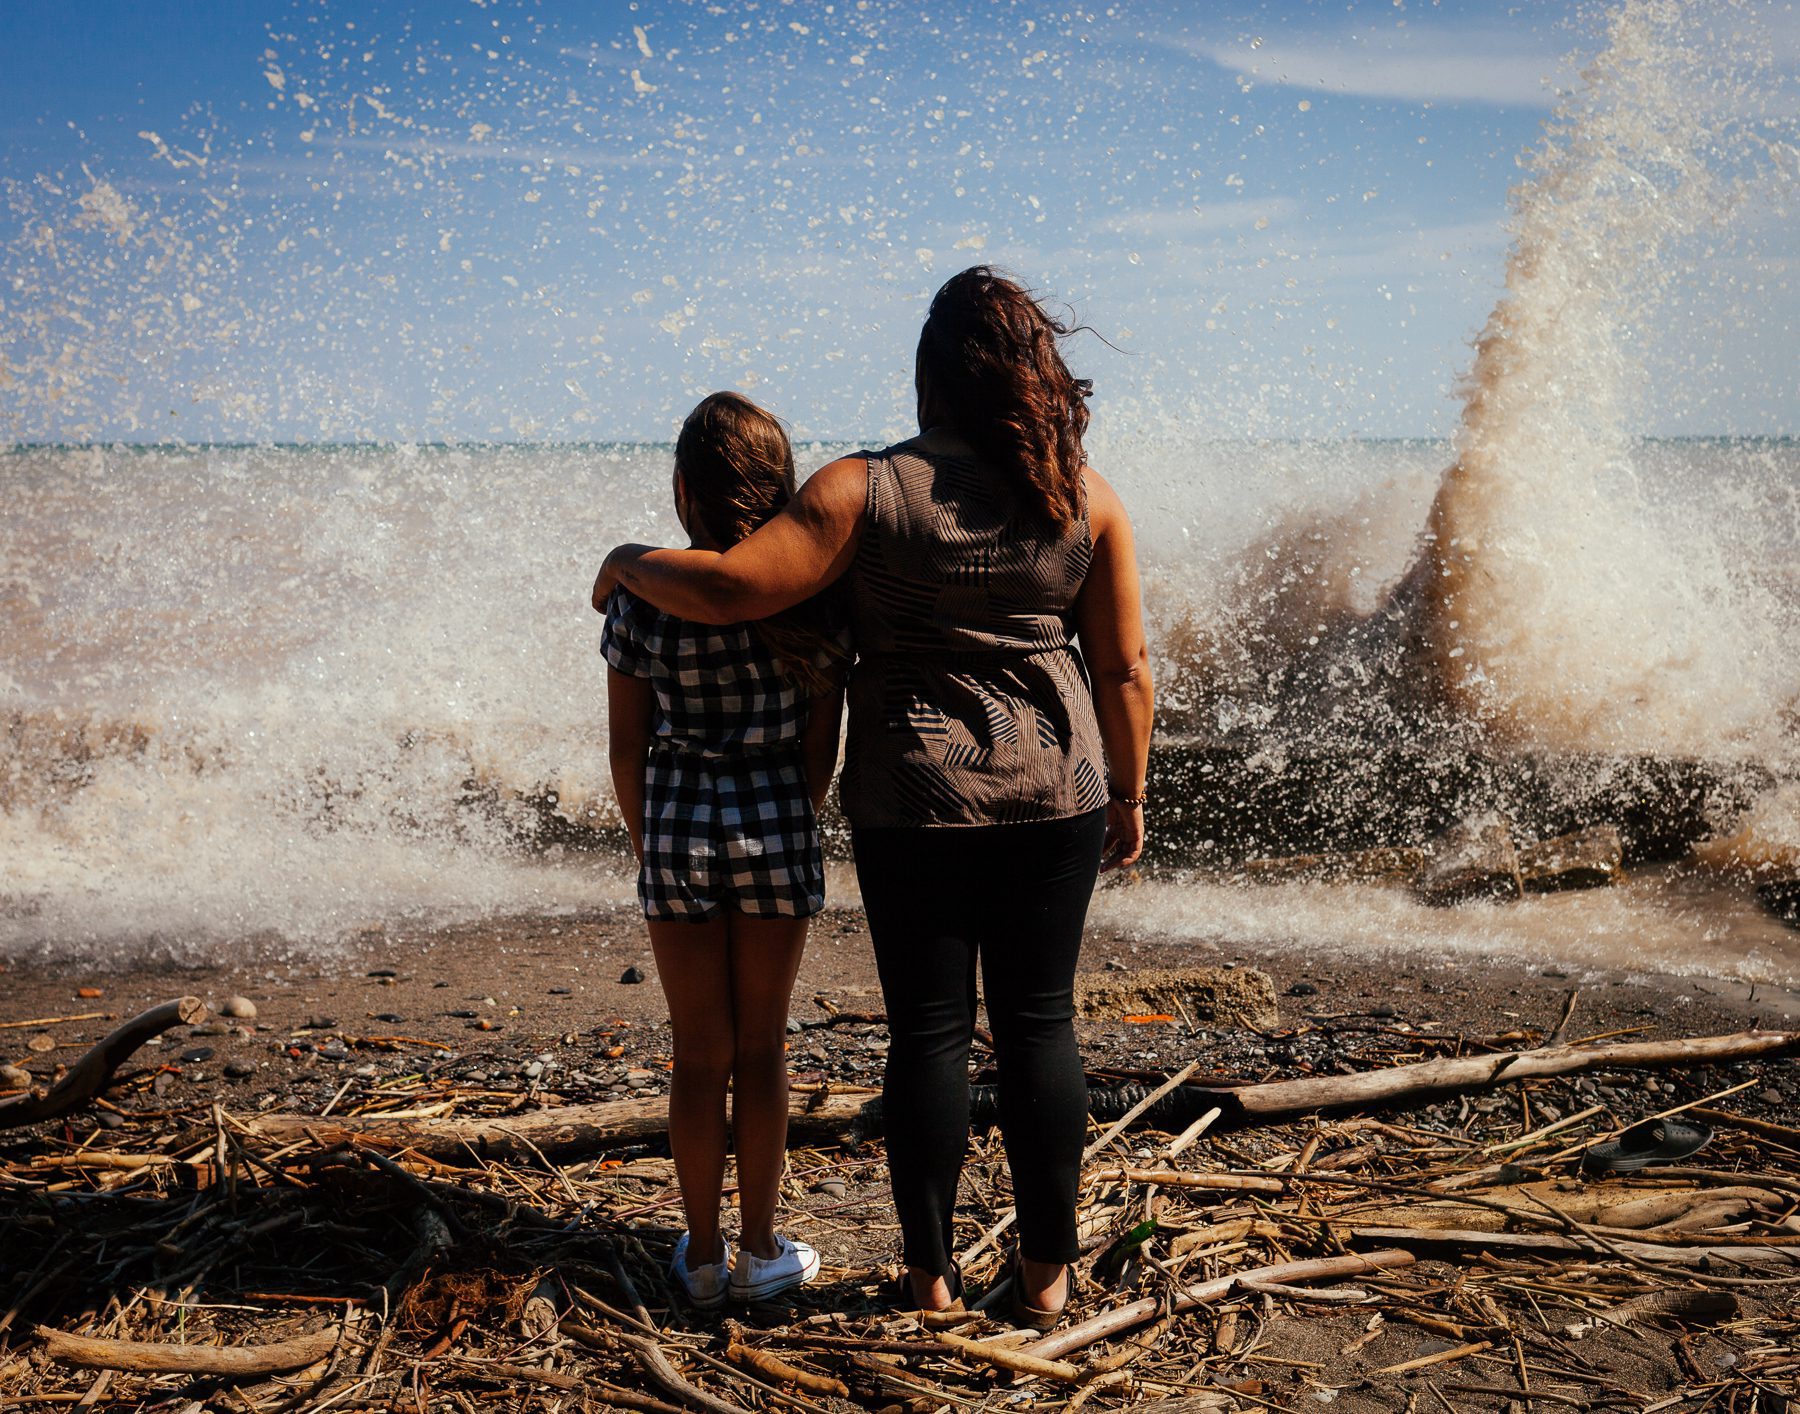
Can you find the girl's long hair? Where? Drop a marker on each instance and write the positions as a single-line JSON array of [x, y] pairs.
[[990, 367], [738, 467]]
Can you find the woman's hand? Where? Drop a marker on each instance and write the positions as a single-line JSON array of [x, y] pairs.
[[1124, 836], [604, 584]]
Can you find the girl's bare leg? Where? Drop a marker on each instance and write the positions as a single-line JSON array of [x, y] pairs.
[[693, 962], [765, 958]]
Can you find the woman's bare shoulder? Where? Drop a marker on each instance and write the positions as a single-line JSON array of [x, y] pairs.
[[1105, 510], [836, 491]]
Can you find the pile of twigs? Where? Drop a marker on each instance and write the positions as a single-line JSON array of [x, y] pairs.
[[1456, 1259]]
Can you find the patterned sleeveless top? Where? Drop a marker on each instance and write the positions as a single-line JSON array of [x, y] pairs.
[[969, 702]]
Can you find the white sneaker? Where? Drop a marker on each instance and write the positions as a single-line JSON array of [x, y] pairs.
[[705, 1285], [754, 1278]]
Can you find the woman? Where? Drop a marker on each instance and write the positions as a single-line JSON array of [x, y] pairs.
[[987, 777]]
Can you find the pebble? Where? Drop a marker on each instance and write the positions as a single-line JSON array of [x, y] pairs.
[[483, 1024], [334, 1051], [631, 975], [831, 1187], [198, 1054], [384, 972], [40, 1044], [13, 1077], [89, 994], [318, 1023], [1771, 1097], [239, 1069], [1303, 989], [561, 991], [239, 1008], [463, 1014], [794, 1027], [366, 1071], [533, 1069], [393, 1018], [1382, 1009], [109, 1119]]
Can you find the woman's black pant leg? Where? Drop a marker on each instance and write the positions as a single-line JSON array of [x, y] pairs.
[[925, 951], [1029, 950]]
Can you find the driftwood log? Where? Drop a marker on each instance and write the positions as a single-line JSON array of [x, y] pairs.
[[565, 1132], [224, 1361], [571, 1131], [92, 1073]]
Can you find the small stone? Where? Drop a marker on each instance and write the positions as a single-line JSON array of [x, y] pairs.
[[533, 1069], [483, 1024], [463, 1014], [561, 991], [1303, 989], [1382, 1009], [318, 1023], [831, 1187], [89, 994], [239, 1069], [239, 1008], [365, 1071], [631, 975], [334, 1051], [393, 1018], [1114, 965], [14, 1078], [198, 1054], [210, 1028], [477, 1077], [1770, 1097], [41, 1043], [794, 1027], [383, 972], [109, 1119]]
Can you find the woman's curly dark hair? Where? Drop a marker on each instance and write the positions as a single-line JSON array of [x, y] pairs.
[[738, 467], [990, 367]]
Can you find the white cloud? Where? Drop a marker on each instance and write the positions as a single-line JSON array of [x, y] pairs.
[[1411, 65]]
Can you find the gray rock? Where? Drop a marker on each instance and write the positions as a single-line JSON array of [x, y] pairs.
[[1587, 859], [238, 1008], [239, 1069], [198, 1054], [1475, 860]]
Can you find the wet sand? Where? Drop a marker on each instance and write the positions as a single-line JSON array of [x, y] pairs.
[[492, 999]]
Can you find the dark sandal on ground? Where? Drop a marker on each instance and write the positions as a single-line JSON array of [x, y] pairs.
[[1655, 1141], [1035, 1318], [904, 1300]]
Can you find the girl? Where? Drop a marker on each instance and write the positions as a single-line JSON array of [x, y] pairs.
[[722, 743]]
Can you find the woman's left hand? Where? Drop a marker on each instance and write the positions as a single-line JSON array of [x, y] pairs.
[[1124, 836]]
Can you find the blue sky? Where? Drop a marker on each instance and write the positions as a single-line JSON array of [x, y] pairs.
[[569, 220]]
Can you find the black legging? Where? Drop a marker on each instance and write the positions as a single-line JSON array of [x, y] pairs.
[[1016, 896]]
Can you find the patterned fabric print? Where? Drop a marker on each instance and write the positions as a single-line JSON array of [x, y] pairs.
[[741, 834], [728, 819], [718, 689], [969, 703]]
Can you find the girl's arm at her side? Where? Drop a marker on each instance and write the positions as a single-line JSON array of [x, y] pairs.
[[791, 558], [628, 718], [1109, 618], [819, 743]]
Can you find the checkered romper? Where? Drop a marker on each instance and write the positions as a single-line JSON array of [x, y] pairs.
[[728, 819]]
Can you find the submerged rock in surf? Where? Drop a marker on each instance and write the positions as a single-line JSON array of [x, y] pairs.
[[1475, 860], [1365, 866], [1586, 859]]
